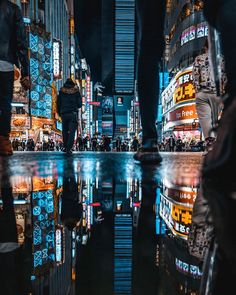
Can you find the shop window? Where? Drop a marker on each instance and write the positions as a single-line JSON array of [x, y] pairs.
[[20, 111]]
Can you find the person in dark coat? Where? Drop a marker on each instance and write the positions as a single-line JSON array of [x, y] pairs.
[[172, 143], [135, 144], [13, 51], [68, 102]]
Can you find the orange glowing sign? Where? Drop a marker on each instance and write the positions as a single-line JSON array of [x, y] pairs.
[[184, 87], [184, 113]]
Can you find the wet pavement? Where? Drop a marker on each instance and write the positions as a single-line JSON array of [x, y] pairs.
[[97, 223]]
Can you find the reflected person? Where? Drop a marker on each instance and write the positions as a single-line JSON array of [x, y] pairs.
[[71, 211], [145, 280]]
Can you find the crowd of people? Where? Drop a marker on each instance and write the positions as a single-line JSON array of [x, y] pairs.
[[95, 143], [106, 143]]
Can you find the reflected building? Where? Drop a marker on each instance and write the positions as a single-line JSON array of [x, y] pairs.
[[95, 234], [43, 240], [176, 265]]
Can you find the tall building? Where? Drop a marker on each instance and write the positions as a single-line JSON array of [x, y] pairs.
[[186, 32], [52, 59], [106, 33]]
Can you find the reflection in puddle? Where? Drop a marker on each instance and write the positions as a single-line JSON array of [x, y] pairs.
[[68, 234]]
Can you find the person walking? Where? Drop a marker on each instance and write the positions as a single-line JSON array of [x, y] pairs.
[[79, 143], [172, 143], [135, 144], [107, 142], [94, 142], [13, 51], [208, 103], [118, 144], [68, 102]]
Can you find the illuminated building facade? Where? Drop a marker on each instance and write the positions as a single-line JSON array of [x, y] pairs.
[[50, 27], [186, 32], [113, 33]]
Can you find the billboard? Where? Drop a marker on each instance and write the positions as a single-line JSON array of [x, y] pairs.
[[177, 217], [107, 115], [184, 90], [182, 195], [19, 94], [193, 32], [20, 122], [41, 73], [188, 112], [57, 59]]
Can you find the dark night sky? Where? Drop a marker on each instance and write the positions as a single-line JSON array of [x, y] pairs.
[[88, 31]]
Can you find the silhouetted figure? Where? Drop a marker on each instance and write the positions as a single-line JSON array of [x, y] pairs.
[[68, 102]]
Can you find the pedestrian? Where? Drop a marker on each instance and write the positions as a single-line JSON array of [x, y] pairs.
[[172, 143], [79, 143], [135, 144], [107, 142], [68, 102], [85, 143], [13, 51], [150, 20], [208, 103], [118, 144], [179, 145], [51, 145], [94, 144]]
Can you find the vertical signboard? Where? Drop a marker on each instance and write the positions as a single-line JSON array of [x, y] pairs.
[[41, 72], [107, 115]]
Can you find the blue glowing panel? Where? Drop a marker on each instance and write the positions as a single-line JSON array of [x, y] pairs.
[[43, 231], [124, 46], [41, 73], [123, 253]]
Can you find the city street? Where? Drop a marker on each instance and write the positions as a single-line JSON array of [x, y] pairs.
[[130, 222], [117, 147]]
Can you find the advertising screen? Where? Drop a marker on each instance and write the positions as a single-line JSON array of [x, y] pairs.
[[120, 101], [19, 94], [107, 115], [184, 90]]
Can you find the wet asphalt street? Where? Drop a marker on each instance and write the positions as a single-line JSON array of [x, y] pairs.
[[98, 223]]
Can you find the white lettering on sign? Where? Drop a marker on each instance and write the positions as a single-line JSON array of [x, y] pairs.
[[56, 59]]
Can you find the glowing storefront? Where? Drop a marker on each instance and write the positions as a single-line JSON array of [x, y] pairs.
[[179, 110]]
